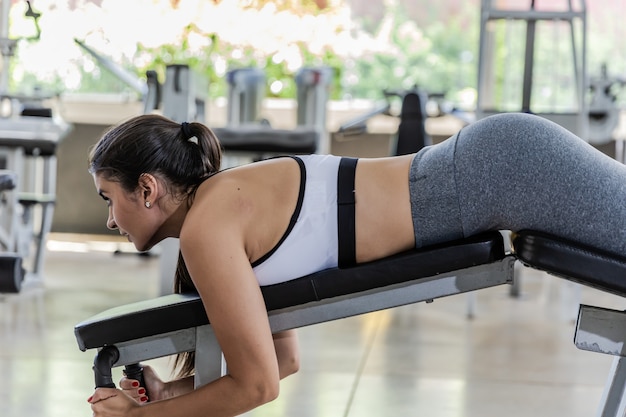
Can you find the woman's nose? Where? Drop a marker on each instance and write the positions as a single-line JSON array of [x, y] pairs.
[[111, 222]]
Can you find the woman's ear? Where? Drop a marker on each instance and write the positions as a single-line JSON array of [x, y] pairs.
[[148, 188]]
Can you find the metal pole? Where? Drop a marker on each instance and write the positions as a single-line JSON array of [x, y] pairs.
[[529, 61], [5, 45]]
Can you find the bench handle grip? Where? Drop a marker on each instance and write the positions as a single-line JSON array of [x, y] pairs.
[[135, 371], [102, 364]]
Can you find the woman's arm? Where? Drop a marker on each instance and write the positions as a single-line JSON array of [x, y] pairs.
[[215, 241], [236, 310], [155, 389], [287, 352], [218, 262]]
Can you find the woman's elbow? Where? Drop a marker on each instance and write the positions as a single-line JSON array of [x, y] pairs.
[[265, 392], [290, 365], [287, 352]]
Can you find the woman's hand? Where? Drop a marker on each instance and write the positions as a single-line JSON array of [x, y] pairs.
[[153, 391], [111, 402]]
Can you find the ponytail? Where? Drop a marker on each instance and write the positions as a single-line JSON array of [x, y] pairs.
[[184, 363], [154, 144]]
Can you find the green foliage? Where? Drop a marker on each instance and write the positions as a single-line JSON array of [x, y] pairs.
[[438, 58], [222, 54], [298, 6]]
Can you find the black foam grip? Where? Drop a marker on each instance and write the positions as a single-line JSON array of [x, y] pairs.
[[135, 371], [102, 365]]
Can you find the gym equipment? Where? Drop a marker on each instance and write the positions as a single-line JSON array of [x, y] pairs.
[[28, 148], [183, 97], [177, 323], [247, 133], [313, 85], [541, 64], [327, 295], [246, 91], [8, 206], [604, 112], [411, 135], [184, 94], [11, 271], [121, 73], [29, 135]]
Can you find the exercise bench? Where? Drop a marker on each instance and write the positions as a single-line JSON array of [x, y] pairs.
[[176, 323]]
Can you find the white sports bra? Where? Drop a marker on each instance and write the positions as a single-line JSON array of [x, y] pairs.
[[310, 242]]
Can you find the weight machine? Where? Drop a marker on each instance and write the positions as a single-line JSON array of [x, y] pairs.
[[29, 136], [553, 79]]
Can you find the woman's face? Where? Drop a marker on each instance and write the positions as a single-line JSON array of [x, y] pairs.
[[127, 213]]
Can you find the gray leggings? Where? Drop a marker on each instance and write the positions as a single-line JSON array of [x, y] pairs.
[[515, 172]]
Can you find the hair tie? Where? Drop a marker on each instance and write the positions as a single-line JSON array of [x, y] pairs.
[[184, 126], [189, 137]]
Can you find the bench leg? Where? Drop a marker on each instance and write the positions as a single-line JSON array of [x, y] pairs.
[[613, 403], [603, 330], [210, 363], [47, 211]]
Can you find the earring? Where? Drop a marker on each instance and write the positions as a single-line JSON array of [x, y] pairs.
[[148, 205]]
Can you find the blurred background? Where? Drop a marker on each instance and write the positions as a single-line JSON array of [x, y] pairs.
[[371, 46], [337, 74]]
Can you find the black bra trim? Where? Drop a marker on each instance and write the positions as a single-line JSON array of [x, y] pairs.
[[294, 217]]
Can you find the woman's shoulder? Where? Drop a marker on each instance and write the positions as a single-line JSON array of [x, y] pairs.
[[212, 214], [239, 190], [248, 205]]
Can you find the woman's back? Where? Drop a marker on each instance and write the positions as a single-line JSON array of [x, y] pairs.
[[264, 196]]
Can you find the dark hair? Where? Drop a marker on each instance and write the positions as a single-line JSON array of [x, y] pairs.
[[181, 155], [153, 144], [184, 362]]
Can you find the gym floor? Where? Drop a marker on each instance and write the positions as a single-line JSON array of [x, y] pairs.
[[516, 357]]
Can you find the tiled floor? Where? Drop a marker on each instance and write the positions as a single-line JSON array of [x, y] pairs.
[[515, 358]]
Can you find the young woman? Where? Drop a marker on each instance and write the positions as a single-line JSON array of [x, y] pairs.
[[279, 219]]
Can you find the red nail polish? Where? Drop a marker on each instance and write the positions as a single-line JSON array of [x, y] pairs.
[[141, 391], [143, 399], [135, 384], [89, 399]]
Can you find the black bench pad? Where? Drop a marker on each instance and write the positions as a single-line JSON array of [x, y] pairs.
[[579, 263], [177, 312], [257, 138]]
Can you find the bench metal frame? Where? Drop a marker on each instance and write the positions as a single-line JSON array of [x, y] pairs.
[[603, 330]]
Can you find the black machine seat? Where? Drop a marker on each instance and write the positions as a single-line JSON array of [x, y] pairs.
[[38, 136], [181, 311], [573, 261], [259, 138], [31, 199]]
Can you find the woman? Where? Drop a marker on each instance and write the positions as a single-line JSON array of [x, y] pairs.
[[275, 220]]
